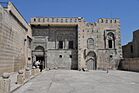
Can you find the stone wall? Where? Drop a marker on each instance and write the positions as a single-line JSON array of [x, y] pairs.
[[62, 59], [136, 43], [128, 50], [14, 49], [129, 64], [131, 49], [91, 39], [47, 37]]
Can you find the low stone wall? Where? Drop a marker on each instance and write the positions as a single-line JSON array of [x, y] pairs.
[[130, 64]]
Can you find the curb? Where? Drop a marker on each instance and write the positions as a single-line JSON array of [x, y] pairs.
[[32, 77]]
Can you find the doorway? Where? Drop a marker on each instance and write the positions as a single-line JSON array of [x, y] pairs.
[[42, 60], [91, 64], [91, 61]]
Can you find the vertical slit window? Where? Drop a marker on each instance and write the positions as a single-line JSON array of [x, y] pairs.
[[60, 44], [131, 49], [70, 44], [110, 43]]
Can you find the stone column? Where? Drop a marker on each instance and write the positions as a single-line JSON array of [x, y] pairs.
[[20, 77], [37, 70], [5, 83], [33, 70], [66, 44], [45, 60], [27, 73]]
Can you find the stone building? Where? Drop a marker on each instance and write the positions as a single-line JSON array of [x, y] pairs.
[[131, 54], [15, 39], [131, 49], [73, 43]]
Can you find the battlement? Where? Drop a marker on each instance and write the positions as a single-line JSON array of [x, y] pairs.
[[108, 20], [57, 19]]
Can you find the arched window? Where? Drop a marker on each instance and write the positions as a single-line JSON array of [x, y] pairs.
[[110, 35], [111, 40], [90, 43], [39, 49]]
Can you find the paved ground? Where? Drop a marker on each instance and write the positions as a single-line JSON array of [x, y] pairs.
[[65, 81]]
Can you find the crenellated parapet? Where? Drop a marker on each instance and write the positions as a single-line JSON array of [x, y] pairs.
[[57, 20]]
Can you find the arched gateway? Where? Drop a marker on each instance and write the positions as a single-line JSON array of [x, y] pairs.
[[39, 55], [91, 62]]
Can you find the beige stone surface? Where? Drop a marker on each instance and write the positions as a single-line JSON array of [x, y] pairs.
[[46, 31], [14, 35], [72, 81]]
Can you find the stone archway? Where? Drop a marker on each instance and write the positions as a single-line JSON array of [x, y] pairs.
[[39, 54], [91, 62]]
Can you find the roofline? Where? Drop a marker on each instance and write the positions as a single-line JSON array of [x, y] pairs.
[[17, 11]]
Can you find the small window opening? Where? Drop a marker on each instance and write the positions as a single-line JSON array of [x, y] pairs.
[[70, 56], [70, 44], [110, 43], [60, 44], [60, 56], [111, 56], [131, 49]]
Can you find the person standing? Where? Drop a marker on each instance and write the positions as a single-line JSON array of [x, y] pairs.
[[41, 66]]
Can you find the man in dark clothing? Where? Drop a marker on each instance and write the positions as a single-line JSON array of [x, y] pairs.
[[41, 66]]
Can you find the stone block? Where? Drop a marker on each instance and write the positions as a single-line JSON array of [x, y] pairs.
[[27, 73], [33, 71], [5, 83], [20, 77]]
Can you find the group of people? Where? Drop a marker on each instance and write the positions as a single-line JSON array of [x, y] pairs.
[[39, 64]]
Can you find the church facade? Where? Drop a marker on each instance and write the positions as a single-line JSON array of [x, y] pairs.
[[73, 43]]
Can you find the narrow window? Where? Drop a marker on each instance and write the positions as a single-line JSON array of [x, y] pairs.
[[52, 19], [61, 20], [110, 21], [75, 20], [39, 20], [66, 20], [43, 19], [90, 43], [70, 56], [101, 20], [131, 49], [70, 20], [34, 20], [106, 21], [60, 44], [70, 44], [110, 43], [57, 20], [115, 21]]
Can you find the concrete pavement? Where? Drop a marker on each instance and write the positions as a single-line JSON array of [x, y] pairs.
[[69, 81]]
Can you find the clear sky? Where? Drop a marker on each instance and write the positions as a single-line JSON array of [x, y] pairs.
[[126, 10]]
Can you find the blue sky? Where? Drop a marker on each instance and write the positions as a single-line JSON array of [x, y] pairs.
[[126, 10]]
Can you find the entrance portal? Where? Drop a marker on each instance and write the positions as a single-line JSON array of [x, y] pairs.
[[91, 60], [91, 65], [39, 54], [41, 59]]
